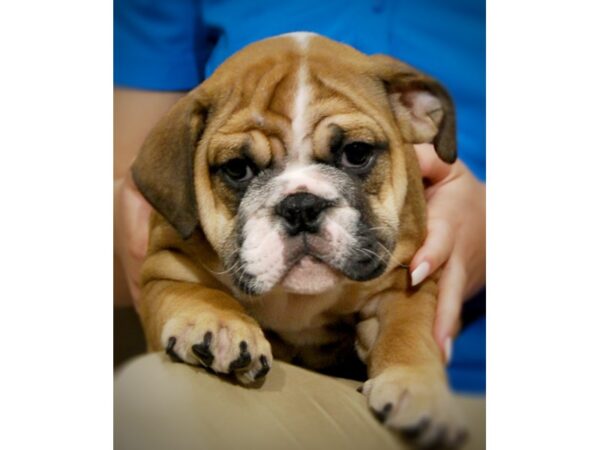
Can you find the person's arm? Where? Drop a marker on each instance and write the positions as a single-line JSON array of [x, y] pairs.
[[135, 113], [455, 240]]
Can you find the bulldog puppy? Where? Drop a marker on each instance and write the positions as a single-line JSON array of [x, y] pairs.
[[289, 201]]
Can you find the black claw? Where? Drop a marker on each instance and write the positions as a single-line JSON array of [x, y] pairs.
[[460, 439], [360, 389], [243, 360], [415, 431], [438, 440], [169, 350], [443, 437], [264, 369], [202, 351], [384, 413]]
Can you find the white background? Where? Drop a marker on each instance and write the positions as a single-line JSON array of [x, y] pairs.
[[56, 225]]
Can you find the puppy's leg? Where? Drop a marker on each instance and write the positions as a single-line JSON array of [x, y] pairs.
[[407, 389], [199, 325]]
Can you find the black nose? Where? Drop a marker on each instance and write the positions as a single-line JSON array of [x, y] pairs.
[[302, 212]]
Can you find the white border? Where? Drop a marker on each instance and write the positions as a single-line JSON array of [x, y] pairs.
[[543, 225], [56, 332]]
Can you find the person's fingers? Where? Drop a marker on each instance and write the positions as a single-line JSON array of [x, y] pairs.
[[138, 216], [138, 245], [450, 299], [434, 252], [133, 218], [432, 167], [138, 232]]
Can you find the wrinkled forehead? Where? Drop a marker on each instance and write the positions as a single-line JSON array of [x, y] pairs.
[[291, 100]]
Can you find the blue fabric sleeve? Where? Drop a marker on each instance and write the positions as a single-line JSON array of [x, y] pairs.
[[159, 45]]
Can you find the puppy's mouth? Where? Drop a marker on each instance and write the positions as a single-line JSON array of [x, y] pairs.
[[309, 275], [308, 264], [311, 269]]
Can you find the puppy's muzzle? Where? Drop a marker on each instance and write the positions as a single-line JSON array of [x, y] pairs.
[[302, 212]]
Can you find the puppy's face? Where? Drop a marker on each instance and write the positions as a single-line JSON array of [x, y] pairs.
[[307, 217], [299, 159]]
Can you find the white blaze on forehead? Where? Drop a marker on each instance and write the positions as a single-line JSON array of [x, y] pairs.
[[301, 37], [301, 148]]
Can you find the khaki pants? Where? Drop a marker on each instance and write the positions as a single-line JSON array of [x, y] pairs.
[[162, 405]]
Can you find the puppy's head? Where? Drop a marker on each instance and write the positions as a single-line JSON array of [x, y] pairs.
[[295, 158]]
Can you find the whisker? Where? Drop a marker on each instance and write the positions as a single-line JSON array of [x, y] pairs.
[[368, 252], [237, 263], [393, 259], [377, 228], [214, 272], [385, 249]]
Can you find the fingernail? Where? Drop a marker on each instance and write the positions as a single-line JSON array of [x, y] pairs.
[[448, 349], [420, 273]]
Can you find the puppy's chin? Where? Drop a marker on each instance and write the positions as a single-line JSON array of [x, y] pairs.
[[310, 276]]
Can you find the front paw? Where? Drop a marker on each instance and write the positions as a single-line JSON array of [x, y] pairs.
[[225, 343], [418, 403]]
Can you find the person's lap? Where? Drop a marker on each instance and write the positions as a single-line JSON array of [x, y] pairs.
[[162, 405]]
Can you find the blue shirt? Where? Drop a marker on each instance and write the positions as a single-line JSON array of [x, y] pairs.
[[174, 45]]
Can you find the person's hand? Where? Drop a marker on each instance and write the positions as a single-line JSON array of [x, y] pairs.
[[135, 113], [131, 227], [455, 239]]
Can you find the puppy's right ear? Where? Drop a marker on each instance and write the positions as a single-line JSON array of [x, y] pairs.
[[164, 169]]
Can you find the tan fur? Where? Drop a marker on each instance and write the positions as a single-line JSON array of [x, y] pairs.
[[250, 98]]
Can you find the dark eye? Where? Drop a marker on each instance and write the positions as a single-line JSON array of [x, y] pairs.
[[238, 170], [357, 155]]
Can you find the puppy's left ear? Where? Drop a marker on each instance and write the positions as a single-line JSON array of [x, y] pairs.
[[422, 106], [164, 168]]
